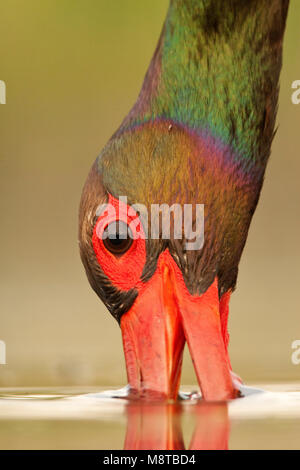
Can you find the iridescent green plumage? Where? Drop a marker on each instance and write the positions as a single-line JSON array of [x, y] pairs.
[[217, 68]]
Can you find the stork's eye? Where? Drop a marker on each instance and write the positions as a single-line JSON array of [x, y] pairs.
[[119, 244], [117, 237]]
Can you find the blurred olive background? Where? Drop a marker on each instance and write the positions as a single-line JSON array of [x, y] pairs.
[[73, 69]]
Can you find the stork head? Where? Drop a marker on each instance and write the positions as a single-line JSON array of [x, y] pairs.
[[166, 276]]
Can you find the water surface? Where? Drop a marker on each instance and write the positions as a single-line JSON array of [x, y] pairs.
[[268, 417]]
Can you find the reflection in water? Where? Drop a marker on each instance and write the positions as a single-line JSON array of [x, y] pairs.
[[158, 426], [77, 419]]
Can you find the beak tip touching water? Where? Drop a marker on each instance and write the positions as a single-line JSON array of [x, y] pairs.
[[165, 316]]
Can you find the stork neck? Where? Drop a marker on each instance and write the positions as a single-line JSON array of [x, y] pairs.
[[216, 68]]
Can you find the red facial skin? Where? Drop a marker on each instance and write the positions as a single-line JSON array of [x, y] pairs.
[[164, 316], [124, 271]]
